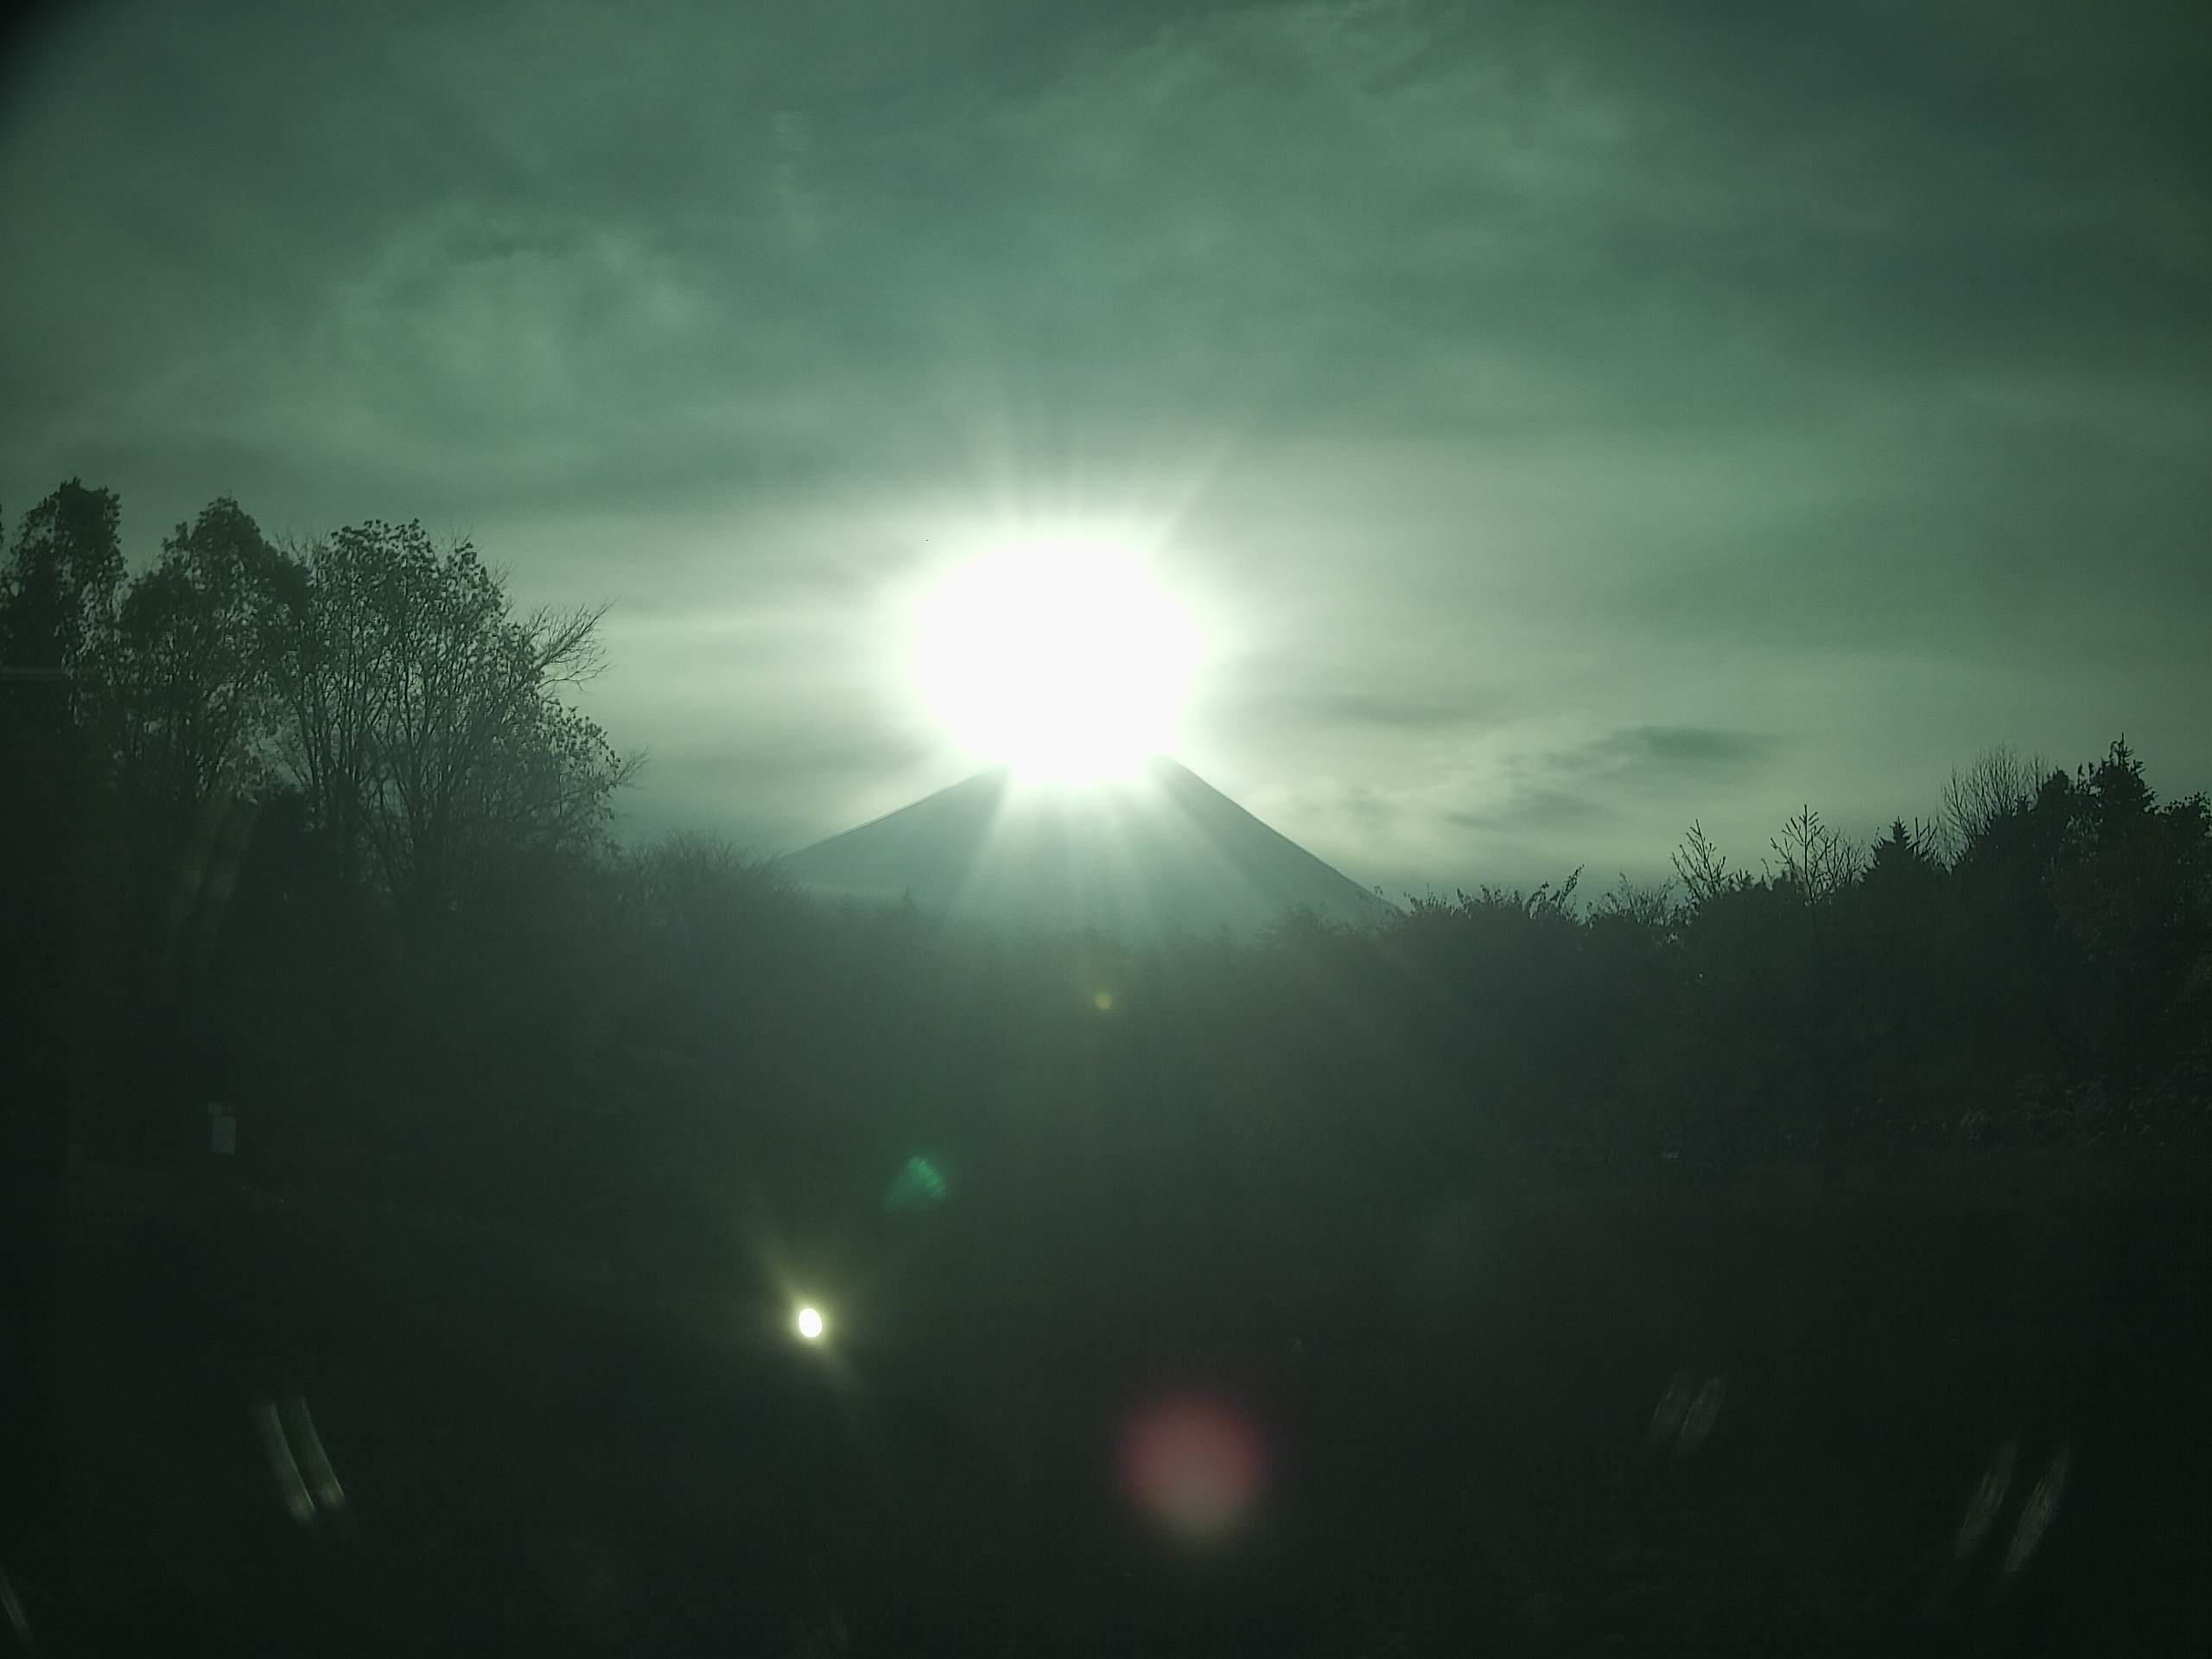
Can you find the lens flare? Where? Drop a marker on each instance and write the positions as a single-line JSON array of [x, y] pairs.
[[919, 1184], [1195, 1465]]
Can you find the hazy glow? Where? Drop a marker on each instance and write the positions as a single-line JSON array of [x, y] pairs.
[[1058, 656], [1195, 1466], [809, 1324]]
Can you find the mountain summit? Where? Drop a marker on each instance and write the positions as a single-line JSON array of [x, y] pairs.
[[1160, 854]]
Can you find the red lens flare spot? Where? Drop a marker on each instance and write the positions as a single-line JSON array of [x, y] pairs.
[[1194, 1465]]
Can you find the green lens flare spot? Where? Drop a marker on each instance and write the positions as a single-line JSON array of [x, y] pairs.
[[918, 1186]]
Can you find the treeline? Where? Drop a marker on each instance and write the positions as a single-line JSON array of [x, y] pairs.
[[317, 832]]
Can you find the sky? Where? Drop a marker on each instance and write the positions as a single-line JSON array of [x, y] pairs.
[[1560, 421]]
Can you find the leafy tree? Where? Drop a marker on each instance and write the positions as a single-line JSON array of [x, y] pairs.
[[2016, 984], [188, 670], [57, 596], [425, 723], [59, 589], [2133, 896]]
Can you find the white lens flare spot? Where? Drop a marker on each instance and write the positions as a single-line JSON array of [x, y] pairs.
[[1058, 656], [809, 1325]]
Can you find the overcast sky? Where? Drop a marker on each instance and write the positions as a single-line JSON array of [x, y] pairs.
[[1569, 419]]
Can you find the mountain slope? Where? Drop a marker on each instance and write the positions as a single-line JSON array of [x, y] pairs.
[[1164, 853]]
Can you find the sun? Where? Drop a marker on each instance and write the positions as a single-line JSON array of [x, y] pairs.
[[1059, 657]]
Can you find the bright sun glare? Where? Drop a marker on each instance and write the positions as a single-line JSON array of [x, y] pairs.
[[1058, 656]]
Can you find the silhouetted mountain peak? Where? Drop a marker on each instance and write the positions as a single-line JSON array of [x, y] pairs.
[[1159, 853]]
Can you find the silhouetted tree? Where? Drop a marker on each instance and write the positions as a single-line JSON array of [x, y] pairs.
[[425, 723], [1816, 864], [59, 589], [2132, 895], [184, 688], [1903, 860], [1704, 868], [57, 596], [2000, 783]]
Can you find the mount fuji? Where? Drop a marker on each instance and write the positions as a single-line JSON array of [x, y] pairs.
[[1160, 854]]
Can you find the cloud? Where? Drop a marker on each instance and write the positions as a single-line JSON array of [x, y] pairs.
[[1698, 750], [1372, 708], [1596, 783], [1538, 810], [1571, 411]]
